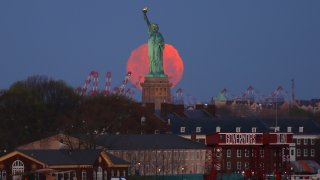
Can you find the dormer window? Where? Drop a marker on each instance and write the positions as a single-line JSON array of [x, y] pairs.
[[300, 129], [238, 129], [289, 129], [277, 129], [254, 129], [198, 129], [218, 129], [182, 129]]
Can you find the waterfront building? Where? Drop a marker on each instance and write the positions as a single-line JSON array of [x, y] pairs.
[[62, 164]]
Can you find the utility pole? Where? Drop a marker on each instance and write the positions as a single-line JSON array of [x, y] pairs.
[[292, 92]]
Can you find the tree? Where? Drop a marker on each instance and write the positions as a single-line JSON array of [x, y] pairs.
[[28, 109]]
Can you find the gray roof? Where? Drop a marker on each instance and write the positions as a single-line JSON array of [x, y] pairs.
[[309, 125], [197, 113], [146, 141], [208, 125], [117, 160], [69, 157], [64, 157]]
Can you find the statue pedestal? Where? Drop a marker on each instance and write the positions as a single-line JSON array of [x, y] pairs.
[[156, 90]]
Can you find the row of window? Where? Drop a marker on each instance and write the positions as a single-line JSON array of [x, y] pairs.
[[160, 155], [99, 175], [305, 141], [247, 165], [246, 153], [168, 169], [238, 129], [306, 152], [239, 165], [3, 174], [183, 129]]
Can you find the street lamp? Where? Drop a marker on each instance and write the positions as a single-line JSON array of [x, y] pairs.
[[182, 168], [159, 170]]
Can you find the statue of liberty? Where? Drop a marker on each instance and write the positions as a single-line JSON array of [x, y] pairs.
[[155, 48]]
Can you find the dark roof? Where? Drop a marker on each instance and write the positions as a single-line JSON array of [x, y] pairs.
[[146, 141], [309, 125], [64, 157], [196, 113], [68, 157], [117, 160], [208, 125]]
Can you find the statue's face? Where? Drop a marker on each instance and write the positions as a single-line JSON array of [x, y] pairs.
[[154, 27]]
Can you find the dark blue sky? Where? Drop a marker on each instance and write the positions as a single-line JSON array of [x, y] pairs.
[[224, 44]]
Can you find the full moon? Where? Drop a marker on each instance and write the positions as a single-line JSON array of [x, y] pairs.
[[138, 64]]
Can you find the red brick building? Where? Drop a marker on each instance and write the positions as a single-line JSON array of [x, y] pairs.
[[62, 164], [250, 154]]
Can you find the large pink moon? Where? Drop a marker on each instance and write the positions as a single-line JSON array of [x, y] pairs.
[[138, 64]]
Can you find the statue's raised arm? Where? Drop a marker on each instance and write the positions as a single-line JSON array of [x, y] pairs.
[[145, 10], [156, 46]]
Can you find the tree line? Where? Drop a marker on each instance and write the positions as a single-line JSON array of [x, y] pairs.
[[38, 107]]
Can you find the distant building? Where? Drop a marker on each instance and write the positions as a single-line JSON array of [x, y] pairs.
[[61, 164], [250, 154], [158, 154], [304, 148]]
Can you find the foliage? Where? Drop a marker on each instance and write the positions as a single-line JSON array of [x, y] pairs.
[[39, 107], [29, 108]]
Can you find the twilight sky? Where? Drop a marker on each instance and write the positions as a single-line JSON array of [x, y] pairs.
[[224, 44]]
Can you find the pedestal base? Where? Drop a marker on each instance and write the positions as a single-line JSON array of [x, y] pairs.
[[156, 90]]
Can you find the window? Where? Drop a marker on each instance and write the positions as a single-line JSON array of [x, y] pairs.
[[94, 175], [298, 152], [112, 173], [228, 152], [4, 174], [277, 129], [124, 173], [74, 176], [198, 154], [312, 141], [84, 175], [198, 129], [274, 153], [203, 155], [246, 165], [261, 153], [182, 129], [99, 173], [105, 174], [218, 153], [17, 168], [298, 141], [238, 165], [292, 152], [305, 141], [246, 153], [238, 129], [289, 129], [312, 152], [305, 152], [254, 129], [238, 152], [300, 129], [228, 165], [218, 129], [118, 173]]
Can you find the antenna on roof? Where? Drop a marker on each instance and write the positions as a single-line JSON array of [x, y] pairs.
[[292, 91]]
